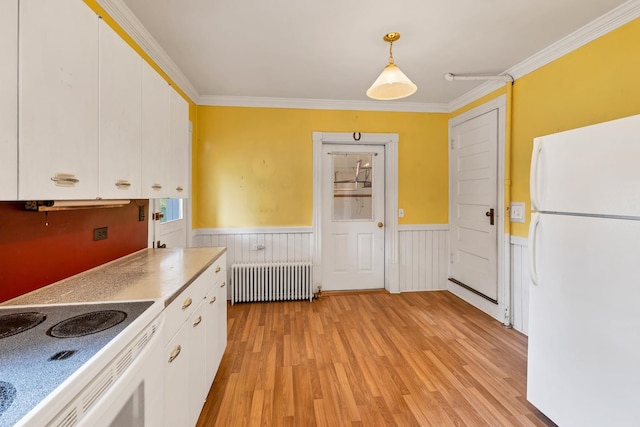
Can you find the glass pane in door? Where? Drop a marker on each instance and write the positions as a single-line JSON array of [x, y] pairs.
[[352, 180]]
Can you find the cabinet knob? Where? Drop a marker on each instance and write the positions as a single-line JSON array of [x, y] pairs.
[[175, 353], [212, 300], [197, 321], [123, 184], [156, 187], [179, 189], [223, 284], [218, 269], [186, 303]]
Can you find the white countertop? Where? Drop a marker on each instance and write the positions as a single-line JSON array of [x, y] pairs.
[[149, 274]]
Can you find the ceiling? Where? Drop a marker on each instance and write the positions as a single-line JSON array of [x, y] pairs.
[[333, 49]]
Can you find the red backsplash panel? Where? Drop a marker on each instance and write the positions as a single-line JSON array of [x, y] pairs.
[[34, 254]]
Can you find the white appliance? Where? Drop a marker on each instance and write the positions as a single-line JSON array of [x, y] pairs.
[[85, 364], [584, 253]]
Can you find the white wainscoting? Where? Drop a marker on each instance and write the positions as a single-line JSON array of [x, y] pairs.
[[423, 252], [278, 244], [520, 283], [423, 257]]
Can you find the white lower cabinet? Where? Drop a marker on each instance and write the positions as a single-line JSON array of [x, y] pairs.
[[216, 306], [196, 336], [198, 386], [176, 379]]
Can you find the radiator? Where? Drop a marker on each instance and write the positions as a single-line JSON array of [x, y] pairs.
[[271, 282]]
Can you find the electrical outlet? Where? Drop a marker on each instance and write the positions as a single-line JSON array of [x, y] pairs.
[[100, 233], [401, 213], [516, 213]]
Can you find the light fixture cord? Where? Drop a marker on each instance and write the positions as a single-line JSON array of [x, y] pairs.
[[391, 52]]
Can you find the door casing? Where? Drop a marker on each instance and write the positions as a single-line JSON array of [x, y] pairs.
[[390, 142]]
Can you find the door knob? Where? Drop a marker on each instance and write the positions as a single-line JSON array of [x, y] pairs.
[[380, 224], [490, 214]]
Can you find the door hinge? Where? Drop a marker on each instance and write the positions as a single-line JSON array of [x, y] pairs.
[[451, 258], [452, 144]]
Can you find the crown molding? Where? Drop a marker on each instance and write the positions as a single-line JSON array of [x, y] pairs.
[[134, 28], [321, 104], [608, 22]]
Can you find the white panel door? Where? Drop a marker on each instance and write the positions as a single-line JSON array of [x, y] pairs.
[[352, 217], [9, 99], [156, 136], [58, 92], [120, 117], [474, 198]]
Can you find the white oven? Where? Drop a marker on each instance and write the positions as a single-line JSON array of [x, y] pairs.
[[129, 390]]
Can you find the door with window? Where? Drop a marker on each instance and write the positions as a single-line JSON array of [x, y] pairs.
[[168, 225], [353, 217]]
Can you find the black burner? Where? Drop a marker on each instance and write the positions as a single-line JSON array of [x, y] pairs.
[[15, 323], [7, 395], [87, 324]]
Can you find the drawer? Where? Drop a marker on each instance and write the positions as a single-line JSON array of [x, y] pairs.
[[183, 306]]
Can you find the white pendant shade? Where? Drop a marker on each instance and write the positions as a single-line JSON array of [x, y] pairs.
[[392, 83]]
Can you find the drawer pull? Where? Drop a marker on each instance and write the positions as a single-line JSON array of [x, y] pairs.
[[197, 321], [121, 183], [212, 300], [65, 180], [179, 189], [175, 353], [222, 284], [186, 303], [218, 269], [156, 187]]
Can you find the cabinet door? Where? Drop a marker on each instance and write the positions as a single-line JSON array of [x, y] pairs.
[[216, 303], [156, 138], [198, 387], [9, 100], [58, 92], [120, 118], [176, 379], [180, 147]]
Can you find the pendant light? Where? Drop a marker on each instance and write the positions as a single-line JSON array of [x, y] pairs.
[[392, 83]]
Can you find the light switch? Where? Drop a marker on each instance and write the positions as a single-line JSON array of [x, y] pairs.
[[517, 212], [401, 213]]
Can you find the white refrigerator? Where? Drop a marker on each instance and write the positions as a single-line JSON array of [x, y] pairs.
[[584, 261]]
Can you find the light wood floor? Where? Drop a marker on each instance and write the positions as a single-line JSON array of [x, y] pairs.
[[370, 359]]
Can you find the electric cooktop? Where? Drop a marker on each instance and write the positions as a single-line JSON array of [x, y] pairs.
[[41, 346]]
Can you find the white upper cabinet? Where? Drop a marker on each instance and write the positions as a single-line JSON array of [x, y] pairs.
[[9, 100], [120, 118], [156, 137], [58, 92], [178, 166]]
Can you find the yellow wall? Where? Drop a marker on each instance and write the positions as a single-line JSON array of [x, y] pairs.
[[595, 83], [253, 166]]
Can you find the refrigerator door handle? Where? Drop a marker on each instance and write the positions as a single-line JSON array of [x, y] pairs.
[[533, 175], [535, 221]]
